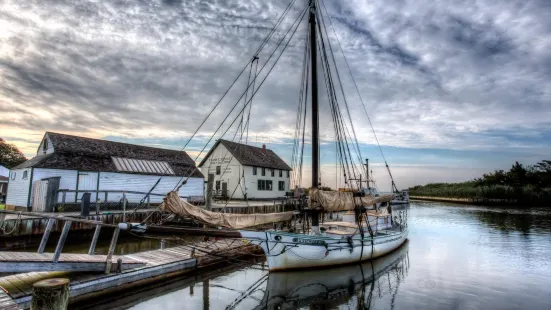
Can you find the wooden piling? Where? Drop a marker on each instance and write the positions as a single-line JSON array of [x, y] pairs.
[[210, 181], [51, 294]]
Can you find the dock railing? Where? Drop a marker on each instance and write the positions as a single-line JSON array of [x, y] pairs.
[[110, 200], [52, 218]]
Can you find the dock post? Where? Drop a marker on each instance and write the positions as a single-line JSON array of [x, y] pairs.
[[50, 294], [206, 298], [61, 241], [46, 235], [210, 180], [94, 240], [112, 247], [124, 207]]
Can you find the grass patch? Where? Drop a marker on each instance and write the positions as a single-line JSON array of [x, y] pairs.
[[2, 207]]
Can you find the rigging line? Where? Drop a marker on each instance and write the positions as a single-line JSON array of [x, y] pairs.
[[300, 17], [272, 31], [335, 110], [357, 89], [301, 105], [270, 34], [335, 100], [251, 106], [242, 129], [321, 18]]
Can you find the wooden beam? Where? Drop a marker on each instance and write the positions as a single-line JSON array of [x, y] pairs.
[[46, 235], [61, 241], [111, 250], [94, 240]]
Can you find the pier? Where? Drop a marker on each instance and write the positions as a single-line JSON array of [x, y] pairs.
[[154, 266]]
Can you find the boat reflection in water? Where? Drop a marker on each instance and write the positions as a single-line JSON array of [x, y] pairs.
[[358, 284]]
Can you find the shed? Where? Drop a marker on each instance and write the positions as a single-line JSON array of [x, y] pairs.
[[94, 165]]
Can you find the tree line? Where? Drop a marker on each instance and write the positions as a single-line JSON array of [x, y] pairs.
[[528, 185], [10, 156]]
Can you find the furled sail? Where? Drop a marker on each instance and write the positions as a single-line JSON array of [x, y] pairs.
[[332, 201], [174, 204]]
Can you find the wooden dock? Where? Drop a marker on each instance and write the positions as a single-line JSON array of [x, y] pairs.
[[28, 262], [155, 265], [6, 302]]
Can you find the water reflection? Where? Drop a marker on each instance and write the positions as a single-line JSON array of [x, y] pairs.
[[353, 285]]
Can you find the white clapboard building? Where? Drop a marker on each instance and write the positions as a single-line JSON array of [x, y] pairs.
[[86, 164], [242, 170]]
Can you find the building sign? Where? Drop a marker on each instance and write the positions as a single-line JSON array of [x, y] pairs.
[[219, 161]]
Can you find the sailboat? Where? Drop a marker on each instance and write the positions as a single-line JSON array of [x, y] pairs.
[[309, 240], [335, 286]]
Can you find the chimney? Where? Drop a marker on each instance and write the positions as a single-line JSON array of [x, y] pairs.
[[264, 148]]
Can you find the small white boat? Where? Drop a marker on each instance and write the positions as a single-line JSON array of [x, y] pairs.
[[401, 197], [333, 287], [285, 251]]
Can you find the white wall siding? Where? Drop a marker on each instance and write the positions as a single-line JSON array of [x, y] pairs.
[[49, 149], [5, 172], [143, 183], [234, 171], [68, 180], [252, 183], [18, 189], [230, 170]]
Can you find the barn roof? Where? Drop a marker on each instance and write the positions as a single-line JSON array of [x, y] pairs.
[[80, 153], [249, 155], [3, 179]]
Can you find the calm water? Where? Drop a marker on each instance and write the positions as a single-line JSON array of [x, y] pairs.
[[457, 257]]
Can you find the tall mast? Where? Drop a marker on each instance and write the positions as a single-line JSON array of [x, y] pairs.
[[315, 110]]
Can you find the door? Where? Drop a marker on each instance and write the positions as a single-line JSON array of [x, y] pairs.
[[225, 189], [87, 181]]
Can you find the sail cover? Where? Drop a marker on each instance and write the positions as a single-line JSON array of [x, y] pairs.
[[174, 204], [332, 201]]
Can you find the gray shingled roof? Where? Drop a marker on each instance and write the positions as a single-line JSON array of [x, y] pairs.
[[251, 155], [79, 153]]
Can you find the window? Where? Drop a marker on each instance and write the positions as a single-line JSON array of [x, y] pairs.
[[217, 185], [264, 185], [287, 173], [273, 172], [280, 173], [13, 174], [218, 168], [281, 186], [25, 175], [45, 145], [263, 171], [254, 170]]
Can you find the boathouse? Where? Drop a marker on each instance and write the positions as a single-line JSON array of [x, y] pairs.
[[242, 170], [101, 167], [4, 174]]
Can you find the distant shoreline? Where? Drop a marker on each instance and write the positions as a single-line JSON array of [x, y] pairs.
[[471, 201]]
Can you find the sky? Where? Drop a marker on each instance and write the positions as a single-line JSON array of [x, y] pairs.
[[453, 89]]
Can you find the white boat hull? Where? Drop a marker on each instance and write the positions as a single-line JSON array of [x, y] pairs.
[[286, 251], [399, 202]]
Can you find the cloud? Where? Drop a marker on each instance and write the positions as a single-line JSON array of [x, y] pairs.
[[461, 75]]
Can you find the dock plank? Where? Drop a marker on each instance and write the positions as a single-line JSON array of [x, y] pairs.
[[151, 264]]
